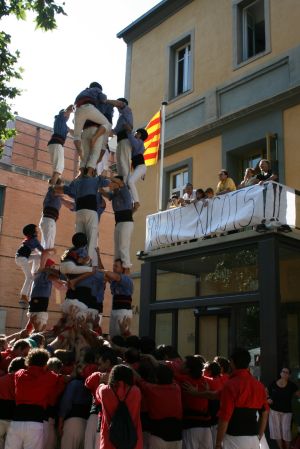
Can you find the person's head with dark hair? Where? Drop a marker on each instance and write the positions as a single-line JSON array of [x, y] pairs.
[[209, 192], [132, 356], [193, 366], [164, 374], [39, 339], [200, 194], [142, 134], [121, 373], [37, 357], [30, 230], [124, 100], [147, 370], [66, 357], [95, 84], [224, 364], [21, 348], [171, 353], [54, 364], [160, 352], [118, 340], [118, 266], [285, 373], [133, 341], [107, 360], [148, 345], [16, 364], [79, 239], [89, 355], [240, 358], [212, 369]]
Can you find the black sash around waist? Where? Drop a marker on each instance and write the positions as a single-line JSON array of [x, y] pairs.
[[168, 429], [138, 160], [7, 409], [123, 215], [55, 138], [121, 302], [50, 212], [243, 422], [29, 412], [87, 202], [79, 411]]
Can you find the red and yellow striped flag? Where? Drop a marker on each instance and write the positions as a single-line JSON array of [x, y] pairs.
[[153, 140]]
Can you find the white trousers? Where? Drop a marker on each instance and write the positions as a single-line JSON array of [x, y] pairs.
[[56, 151], [197, 438], [4, 426], [88, 112], [115, 317], [50, 437], [123, 159], [135, 176], [91, 437], [70, 267], [73, 434], [122, 236], [87, 222], [29, 266], [242, 442], [280, 425], [48, 232], [25, 435], [90, 157], [157, 443]]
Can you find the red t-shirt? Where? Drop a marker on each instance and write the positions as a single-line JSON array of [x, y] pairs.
[[7, 387], [163, 401], [35, 385], [107, 398], [242, 390]]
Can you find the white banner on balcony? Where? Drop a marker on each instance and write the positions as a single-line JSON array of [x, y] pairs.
[[267, 203]]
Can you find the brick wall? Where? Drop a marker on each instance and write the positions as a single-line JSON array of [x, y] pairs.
[[24, 171]]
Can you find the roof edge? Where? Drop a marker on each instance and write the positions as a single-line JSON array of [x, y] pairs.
[[151, 19]]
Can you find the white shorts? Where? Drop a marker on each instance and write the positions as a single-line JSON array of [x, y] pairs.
[[40, 318], [241, 442], [70, 267], [56, 151], [75, 308], [280, 425]]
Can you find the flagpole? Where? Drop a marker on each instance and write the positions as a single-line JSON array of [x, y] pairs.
[[162, 153]]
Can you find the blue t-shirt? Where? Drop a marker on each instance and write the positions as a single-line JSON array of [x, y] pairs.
[[85, 191], [60, 127], [52, 200], [94, 93], [123, 287], [28, 245], [41, 287]]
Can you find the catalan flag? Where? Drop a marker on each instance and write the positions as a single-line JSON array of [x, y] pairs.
[[153, 140]]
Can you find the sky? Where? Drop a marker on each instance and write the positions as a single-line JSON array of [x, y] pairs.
[[84, 48]]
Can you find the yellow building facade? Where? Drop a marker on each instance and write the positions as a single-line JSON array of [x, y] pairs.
[[230, 72]]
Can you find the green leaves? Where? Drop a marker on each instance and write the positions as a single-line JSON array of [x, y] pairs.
[[45, 18]]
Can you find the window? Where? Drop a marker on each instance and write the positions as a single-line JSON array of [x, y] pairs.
[[254, 38], [180, 67], [252, 28], [183, 69], [178, 180]]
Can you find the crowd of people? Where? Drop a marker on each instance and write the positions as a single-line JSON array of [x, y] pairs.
[[128, 393], [252, 176]]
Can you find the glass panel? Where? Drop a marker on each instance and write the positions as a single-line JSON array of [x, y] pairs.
[[208, 336], [232, 272], [248, 333], [223, 336], [185, 177], [186, 332], [2, 194], [163, 328], [289, 264]]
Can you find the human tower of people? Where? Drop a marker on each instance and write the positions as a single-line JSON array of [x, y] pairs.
[[81, 271], [69, 387]]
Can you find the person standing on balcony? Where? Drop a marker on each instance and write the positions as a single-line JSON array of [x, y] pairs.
[[266, 173], [225, 184]]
